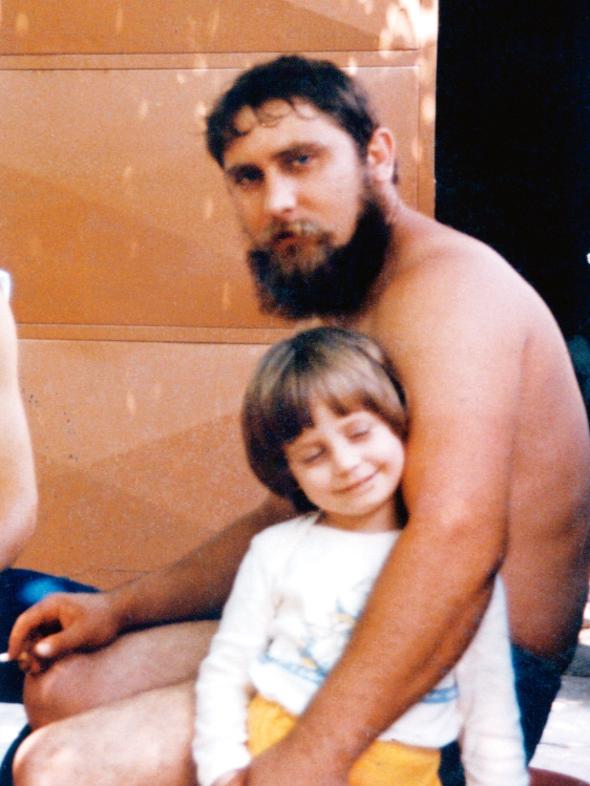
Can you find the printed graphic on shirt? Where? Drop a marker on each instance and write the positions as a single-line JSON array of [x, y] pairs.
[[313, 651]]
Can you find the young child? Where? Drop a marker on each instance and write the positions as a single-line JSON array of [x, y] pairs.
[[324, 425]]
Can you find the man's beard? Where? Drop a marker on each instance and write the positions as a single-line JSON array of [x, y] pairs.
[[337, 285]]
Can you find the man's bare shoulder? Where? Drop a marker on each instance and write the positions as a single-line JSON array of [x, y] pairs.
[[425, 248], [442, 280]]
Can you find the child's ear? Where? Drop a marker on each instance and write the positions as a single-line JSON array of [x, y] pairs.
[[381, 155]]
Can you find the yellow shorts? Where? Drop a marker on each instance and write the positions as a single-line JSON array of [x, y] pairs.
[[382, 764]]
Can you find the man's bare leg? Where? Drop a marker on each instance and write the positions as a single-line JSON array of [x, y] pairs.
[[136, 662], [144, 740]]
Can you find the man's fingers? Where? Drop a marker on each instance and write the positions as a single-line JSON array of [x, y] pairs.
[[50, 646], [28, 663], [238, 780], [38, 656], [42, 648], [232, 778], [56, 644], [34, 619]]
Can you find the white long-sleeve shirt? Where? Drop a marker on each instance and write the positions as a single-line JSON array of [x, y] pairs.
[[296, 598]]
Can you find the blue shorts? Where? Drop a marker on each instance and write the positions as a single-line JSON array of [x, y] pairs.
[[537, 681]]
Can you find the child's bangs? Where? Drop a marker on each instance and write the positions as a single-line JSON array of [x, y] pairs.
[[291, 407], [342, 389], [360, 385]]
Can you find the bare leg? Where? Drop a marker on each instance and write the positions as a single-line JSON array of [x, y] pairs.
[[134, 663], [141, 741]]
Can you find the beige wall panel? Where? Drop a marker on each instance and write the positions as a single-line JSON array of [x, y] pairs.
[[113, 213], [115, 224], [177, 26], [138, 451]]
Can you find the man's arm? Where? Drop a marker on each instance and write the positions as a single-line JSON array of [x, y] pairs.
[[459, 348], [194, 587], [18, 494], [198, 585]]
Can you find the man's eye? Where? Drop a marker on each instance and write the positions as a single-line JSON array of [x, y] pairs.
[[299, 160], [246, 178]]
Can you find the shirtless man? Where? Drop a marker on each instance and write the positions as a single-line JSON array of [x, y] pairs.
[[496, 476]]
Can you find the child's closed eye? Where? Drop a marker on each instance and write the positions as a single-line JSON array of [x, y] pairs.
[[312, 457]]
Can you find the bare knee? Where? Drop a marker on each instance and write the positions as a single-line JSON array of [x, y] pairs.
[[43, 759], [134, 663], [139, 741]]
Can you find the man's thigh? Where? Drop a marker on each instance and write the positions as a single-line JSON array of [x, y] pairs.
[[144, 740], [133, 663]]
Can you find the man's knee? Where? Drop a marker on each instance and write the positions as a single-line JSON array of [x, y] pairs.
[[43, 759], [134, 663], [140, 741]]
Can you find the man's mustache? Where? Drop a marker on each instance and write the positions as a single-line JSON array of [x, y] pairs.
[[280, 229]]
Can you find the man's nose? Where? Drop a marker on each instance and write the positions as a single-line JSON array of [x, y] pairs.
[[280, 196]]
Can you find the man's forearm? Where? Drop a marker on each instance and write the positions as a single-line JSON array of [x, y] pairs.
[[197, 585], [424, 611]]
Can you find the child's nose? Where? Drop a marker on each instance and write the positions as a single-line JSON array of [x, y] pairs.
[[344, 458]]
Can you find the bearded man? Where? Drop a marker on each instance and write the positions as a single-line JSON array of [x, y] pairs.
[[496, 478]]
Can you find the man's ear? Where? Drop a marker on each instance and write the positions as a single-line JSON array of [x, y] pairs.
[[381, 155]]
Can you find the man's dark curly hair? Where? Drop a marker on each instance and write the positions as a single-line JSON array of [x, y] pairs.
[[292, 77]]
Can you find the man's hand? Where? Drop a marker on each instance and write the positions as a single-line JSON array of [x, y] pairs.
[[232, 778], [60, 624], [283, 765]]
